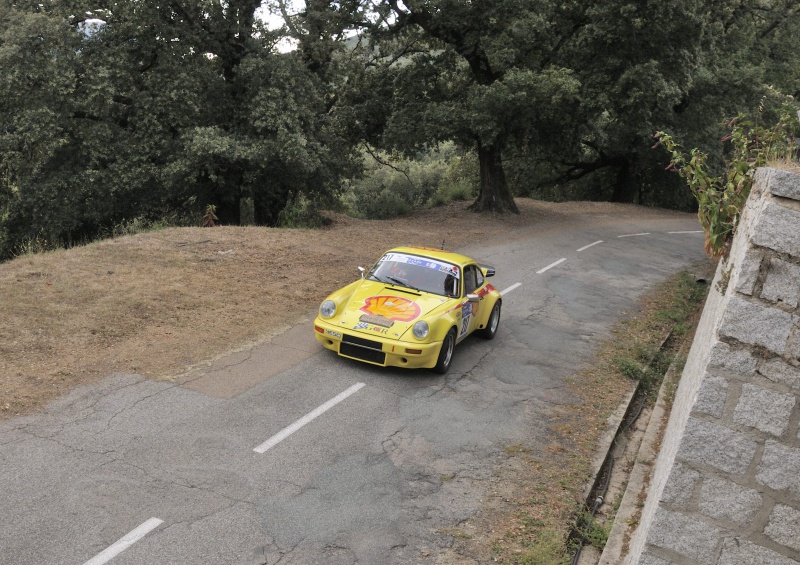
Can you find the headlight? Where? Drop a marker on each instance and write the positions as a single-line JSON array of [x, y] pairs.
[[421, 330], [327, 309]]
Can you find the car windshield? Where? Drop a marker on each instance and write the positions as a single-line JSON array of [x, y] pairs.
[[417, 272]]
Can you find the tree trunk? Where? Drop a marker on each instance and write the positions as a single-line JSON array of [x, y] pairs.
[[628, 185], [269, 203], [495, 196], [229, 210]]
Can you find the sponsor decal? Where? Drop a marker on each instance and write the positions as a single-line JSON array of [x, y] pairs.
[[466, 311], [377, 320], [423, 262], [366, 326], [394, 308], [334, 334]]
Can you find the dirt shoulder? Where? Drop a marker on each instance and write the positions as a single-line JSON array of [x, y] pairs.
[[160, 302]]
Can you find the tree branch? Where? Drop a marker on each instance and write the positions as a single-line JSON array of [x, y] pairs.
[[386, 163]]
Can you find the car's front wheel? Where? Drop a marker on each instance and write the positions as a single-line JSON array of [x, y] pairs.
[[446, 353], [491, 326]]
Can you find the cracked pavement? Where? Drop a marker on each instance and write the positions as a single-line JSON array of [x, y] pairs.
[[386, 476]]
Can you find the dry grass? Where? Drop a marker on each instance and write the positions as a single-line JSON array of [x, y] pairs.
[[790, 165]]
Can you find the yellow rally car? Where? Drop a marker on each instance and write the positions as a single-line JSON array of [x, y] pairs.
[[410, 309]]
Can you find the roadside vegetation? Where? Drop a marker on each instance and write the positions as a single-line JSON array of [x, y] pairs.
[[643, 346], [721, 198]]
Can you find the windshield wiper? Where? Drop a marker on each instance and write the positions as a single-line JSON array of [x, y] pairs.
[[394, 281], [399, 282]]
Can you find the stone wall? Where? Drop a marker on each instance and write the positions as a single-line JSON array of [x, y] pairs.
[[726, 485]]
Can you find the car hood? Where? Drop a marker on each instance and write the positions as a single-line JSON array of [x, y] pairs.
[[374, 307]]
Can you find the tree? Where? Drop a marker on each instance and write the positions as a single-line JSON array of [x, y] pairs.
[[141, 110], [469, 71], [678, 66], [634, 61], [572, 83], [571, 92], [36, 83]]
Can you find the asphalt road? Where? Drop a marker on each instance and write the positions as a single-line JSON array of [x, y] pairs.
[[286, 453]]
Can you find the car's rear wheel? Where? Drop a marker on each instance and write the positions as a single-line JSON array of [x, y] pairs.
[[446, 353], [491, 326]]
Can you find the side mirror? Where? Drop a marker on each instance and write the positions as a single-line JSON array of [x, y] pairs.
[[473, 298], [488, 271], [362, 270]]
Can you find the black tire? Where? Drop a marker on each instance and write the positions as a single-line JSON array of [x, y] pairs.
[[494, 322], [446, 353]]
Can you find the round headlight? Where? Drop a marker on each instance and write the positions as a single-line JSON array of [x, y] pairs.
[[327, 309], [421, 330]]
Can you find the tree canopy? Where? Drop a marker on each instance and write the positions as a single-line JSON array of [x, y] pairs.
[[112, 111]]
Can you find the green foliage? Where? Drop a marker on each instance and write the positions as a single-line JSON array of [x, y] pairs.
[[547, 548], [687, 296], [140, 224], [157, 110], [394, 186], [460, 181], [721, 199], [302, 212], [647, 367], [590, 530]]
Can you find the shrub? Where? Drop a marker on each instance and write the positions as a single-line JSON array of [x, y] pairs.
[[460, 181], [721, 199], [394, 186], [302, 212]]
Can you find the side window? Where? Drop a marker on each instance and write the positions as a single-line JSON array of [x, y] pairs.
[[478, 278], [470, 281]]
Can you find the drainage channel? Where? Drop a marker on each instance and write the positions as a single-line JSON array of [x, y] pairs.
[[597, 493]]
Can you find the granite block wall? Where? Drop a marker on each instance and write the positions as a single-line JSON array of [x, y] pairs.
[[726, 485]]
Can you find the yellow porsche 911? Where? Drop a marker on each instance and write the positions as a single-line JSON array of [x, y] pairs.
[[410, 309]]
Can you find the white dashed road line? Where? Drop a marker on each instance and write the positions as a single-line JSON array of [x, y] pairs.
[[509, 289], [585, 247], [125, 542], [550, 266], [634, 234], [694, 231], [289, 430]]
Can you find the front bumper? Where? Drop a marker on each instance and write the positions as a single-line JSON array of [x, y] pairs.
[[376, 350]]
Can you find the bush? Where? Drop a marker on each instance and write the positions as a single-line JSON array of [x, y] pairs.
[[302, 212], [460, 182], [721, 198], [393, 186]]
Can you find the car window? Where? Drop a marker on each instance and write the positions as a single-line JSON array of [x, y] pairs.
[[470, 279]]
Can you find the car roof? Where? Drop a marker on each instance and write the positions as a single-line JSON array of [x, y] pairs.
[[440, 254]]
